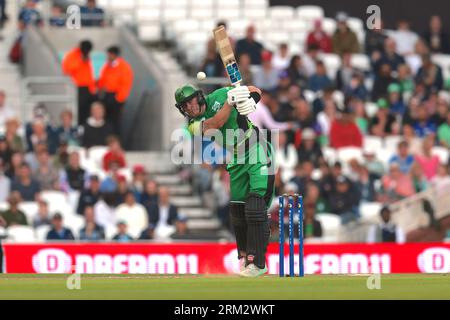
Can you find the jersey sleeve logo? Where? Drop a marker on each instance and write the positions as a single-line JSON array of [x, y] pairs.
[[216, 106]]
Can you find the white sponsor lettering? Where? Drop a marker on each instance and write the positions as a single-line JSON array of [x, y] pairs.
[[434, 260]]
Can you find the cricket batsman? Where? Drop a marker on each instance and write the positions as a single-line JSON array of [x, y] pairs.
[[252, 183]]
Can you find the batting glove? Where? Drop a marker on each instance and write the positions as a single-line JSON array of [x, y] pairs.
[[238, 94], [246, 107]]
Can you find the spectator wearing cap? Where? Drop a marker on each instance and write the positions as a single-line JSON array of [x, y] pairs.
[[29, 15], [404, 159], [396, 105], [114, 84], [5, 183], [14, 140], [91, 230], [163, 213], [27, 187], [344, 200], [386, 230], [309, 148], [90, 195], [138, 181], [297, 71], [42, 218], [78, 65], [250, 46], [266, 77], [92, 15], [6, 112], [344, 132], [427, 161], [319, 38], [67, 132], [122, 233], [435, 37], [133, 213], [319, 80], [46, 174], [115, 153], [96, 129], [73, 177], [396, 185], [344, 39], [13, 215], [383, 123], [443, 132], [430, 74], [281, 59], [58, 232]]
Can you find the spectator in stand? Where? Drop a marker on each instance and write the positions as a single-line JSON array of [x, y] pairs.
[[61, 158], [5, 183], [96, 129], [13, 168], [221, 187], [430, 74], [78, 65], [356, 88], [5, 151], [58, 231], [297, 72], [133, 213], [122, 233], [403, 157], [303, 177], [344, 200], [41, 133], [114, 85], [439, 108], [138, 181], [405, 80], [382, 81], [383, 123], [441, 181], [345, 72], [91, 15], [73, 177], [312, 228], [310, 58], [3, 16], [57, 17], [67, 132], [344, 39], [181, 230], [111, 183], [262, 117], [309, 149], [344, 132], [436, 38], [90, 195], [428, 161], [150, 195], [373, 164], [303, 117], [115, 153], [443, 132], [42, 218], [386, 231], [250, 46], [25, 184], [163, 213], [29, 15], [374, 42], [46, 174], [244, 68], [13, 215], [319, 38], [266, 77], [366, 184], [319, 80], [418, 178], [414, 61], [148, 233], [423, 124], [14, 140], [6, 111], [122, 190], [284, 109], [31, 158], [357, 105], [389, 56], [396, 185], [280, 59], [404, 38], [104, 210], [91, 230], [396, 105], [286, 157]]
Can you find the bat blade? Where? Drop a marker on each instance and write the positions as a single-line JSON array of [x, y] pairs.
[[223, 44]]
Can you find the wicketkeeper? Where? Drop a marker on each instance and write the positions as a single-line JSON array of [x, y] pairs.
[[251, 179]]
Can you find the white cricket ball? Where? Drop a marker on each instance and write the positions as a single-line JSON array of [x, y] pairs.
[[201, 76]]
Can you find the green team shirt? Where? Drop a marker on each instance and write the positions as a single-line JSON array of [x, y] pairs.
[[214, 102]]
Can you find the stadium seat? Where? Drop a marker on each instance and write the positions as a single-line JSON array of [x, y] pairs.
[[309, 95], [202, 13], [21, 234], [360, 61], [149, 3], [370, 211], [277, 37], [146, 15], [96, 154], [41, 233], [331, 224], [298, 37], [338, 98], [4, 206], [443, 60], [355, 24], [174, 14], [120, 5], [228, 13], [227, 4], [57, 202], [30, 208], [237, 26], [329, 25], [442, 153], [332, 63], [127, 173], [329, 155], [3, 232], [280, 13], [295, 26], [74, 222], [310, 13], [198, 4], [348, 153], [254, 13], [149, 33], [391, 143], [372, 143], [256, 3], [371, 109]]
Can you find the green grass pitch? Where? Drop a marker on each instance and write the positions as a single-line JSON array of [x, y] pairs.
[[205, 287]]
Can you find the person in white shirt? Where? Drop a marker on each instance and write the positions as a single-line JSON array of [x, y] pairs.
[[404, 38], [5, 184], [133, 213], [6, 112], [105, 215], [281, 59], [262, 118], [386, 231]]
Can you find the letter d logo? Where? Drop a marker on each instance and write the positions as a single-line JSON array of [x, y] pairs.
[[374, 282]]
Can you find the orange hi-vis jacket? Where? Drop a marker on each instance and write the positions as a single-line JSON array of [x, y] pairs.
[[116, 77], [81, 71]]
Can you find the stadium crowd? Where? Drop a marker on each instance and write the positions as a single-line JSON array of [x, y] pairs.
[[316, 112]]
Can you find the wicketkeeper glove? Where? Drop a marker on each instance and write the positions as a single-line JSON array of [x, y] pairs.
[[238, 94], [246, 107]]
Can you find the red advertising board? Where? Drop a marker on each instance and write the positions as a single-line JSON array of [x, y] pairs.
[[214, 258]]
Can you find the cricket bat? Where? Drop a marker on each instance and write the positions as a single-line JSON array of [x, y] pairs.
[[227, 55]]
